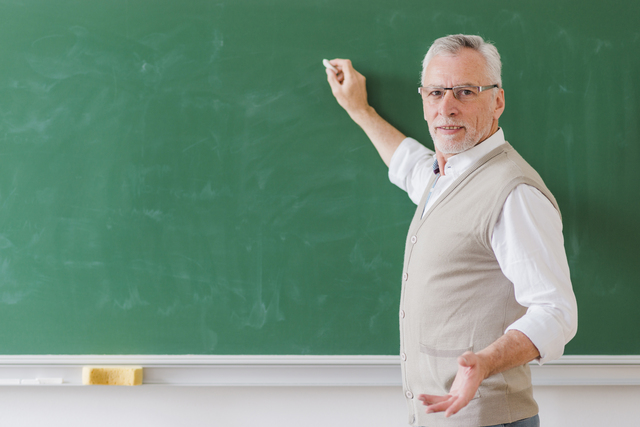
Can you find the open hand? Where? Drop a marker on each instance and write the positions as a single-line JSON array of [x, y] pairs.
[[468, 378]]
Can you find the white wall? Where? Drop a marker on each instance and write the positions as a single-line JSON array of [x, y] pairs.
[[587, 406], [561, 406]]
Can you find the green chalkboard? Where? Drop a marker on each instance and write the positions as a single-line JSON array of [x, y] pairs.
[[176, 177]]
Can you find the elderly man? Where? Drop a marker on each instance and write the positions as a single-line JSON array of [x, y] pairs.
[[485, 286]]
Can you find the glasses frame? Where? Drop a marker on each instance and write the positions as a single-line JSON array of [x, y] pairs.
[[453, 90]]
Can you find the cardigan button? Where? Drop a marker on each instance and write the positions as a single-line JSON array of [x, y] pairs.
[[405, 276], [403, 356], [402, 314], [414, 239], [409, 395]]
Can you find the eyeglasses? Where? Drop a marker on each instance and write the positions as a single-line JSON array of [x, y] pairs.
[[433, 95]]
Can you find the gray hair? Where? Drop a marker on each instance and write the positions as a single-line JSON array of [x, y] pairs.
[[453, 44]]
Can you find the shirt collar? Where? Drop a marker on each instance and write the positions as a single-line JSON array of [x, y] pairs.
[[458, 164]]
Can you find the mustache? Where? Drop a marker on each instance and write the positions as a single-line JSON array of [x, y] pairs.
[[449, 123]]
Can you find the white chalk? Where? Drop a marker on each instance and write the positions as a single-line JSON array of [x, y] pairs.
[[327, 64], [50, 381]]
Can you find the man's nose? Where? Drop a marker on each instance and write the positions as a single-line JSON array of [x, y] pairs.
[[448, 104]]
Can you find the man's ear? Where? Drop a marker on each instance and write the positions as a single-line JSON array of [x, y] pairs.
[[499, 104]]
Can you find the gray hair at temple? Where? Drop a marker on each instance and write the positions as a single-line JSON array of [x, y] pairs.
[[451, 45]]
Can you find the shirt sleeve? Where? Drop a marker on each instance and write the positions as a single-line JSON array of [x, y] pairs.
[[410, 168], [529, 246]]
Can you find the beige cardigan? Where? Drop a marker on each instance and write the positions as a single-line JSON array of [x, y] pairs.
[[455, 297]]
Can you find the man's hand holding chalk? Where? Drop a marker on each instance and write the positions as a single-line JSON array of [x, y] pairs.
[[348, 86], [350, 89]]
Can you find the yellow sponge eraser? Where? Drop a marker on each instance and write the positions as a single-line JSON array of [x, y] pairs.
[[112, 375]]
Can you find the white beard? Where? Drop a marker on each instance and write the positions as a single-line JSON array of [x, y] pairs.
[[449, 145]]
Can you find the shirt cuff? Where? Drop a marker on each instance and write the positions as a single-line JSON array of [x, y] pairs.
[[544, 331]]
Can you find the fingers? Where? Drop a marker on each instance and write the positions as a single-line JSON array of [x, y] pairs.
[[351, 80], [335, 77], [448, 404], [343, 65], [436, 403], [337, 80], [440, 407], [340, 65], [429, 399], [332, 78], [455, 406]]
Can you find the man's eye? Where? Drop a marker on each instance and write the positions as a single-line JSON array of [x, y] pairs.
[[435, 93], [466, 93]]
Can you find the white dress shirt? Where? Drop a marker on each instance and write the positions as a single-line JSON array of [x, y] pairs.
[[527, 241]]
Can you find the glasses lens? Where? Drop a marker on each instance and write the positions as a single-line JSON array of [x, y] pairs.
[[466, 93], [432, 94]]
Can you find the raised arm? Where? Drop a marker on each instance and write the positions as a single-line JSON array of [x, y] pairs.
[[349, 88]]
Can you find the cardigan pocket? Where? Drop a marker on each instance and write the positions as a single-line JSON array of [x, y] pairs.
[[443, 365]]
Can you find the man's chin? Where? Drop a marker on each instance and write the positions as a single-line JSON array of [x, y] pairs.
[[452, 147]]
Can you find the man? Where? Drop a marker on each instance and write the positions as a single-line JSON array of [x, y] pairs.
[[485, 287]]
